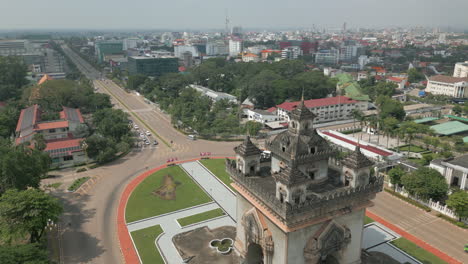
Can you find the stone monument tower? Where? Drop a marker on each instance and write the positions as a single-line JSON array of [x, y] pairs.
[[292, 207]]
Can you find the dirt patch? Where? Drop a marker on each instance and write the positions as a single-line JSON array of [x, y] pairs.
[[194, 247], [167, 191]]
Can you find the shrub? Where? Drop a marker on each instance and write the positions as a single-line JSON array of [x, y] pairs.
[[81, 169]]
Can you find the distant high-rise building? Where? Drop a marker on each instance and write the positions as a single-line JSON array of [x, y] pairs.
[[216, 48], [235, 47], [331, 56], [291, 53], [236, 31], [461, 69], [187, 59], [108, 48], [180, 49], [307, 47], [152, 66], [442, 38], [130, 43]]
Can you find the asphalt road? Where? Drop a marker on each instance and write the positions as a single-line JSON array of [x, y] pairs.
[[89, 233]]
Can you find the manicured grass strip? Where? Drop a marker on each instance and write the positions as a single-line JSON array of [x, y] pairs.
[[145, 243], [144, 203], [413, 148], [54, 185], [218, 168], [77, 183], [416, 252], [368, 220], [200, 217]]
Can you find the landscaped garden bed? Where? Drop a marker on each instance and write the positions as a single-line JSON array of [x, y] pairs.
[[144, 240], [77, 183], [165, 191], [222, 246], [416, 251], [200, 217]]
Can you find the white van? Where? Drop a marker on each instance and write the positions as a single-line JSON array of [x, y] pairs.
[[192, 137]]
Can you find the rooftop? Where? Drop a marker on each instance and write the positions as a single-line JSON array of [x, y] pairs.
[[28, 117], [375, 150], [461, 161], [51, 125], [289, 106], [447, 79], [426, 120], [457, 118], [450, 128]]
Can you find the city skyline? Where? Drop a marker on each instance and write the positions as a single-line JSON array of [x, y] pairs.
[[210, 14]]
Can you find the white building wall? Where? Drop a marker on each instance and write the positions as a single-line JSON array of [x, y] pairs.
[[461, 69], [235, 47], [459, 89]]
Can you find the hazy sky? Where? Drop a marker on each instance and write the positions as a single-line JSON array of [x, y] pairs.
[[193, 14]]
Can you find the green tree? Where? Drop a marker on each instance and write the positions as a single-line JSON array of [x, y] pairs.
[[27, 212], [100, 148], [21, 167], [458, 202], [8, 119], [24, 254], [135, 81], [457, 109], [414, 75], [426, 183], [252, 128], [395, 175], [12, 77], [389, 107], [111, 123], [390, 127], [410, 129], [39, 142]]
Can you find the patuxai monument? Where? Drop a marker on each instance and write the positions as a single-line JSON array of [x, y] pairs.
[[299, 204]]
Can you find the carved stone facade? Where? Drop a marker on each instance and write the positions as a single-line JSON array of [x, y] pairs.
[[302, 211]]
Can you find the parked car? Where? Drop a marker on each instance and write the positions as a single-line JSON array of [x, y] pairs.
[[135, 126], [192, 137], [466, 248], [155, 142], [148, 133], [147, 142]]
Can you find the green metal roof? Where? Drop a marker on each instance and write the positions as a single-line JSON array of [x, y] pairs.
[[457, 118], [465, 139], [425, 120], [344, 78], [450, 128], [351, 87]]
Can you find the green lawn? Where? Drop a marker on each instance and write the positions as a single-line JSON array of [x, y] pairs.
[[200, 217], [368, 220], [415, 251], [77, 183], [218, 168], [143, 203], [413, 148], [145, 243]]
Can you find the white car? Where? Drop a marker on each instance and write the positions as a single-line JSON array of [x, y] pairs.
[[135, 126], [148, 133], [147, 142]]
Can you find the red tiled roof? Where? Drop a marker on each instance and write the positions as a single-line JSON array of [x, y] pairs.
[[51, 125], [44, 78], [271, 51], [68, 143], [394, 79], [289, 106], [182, 69], [271, 109], [366, 147], [32, 114]]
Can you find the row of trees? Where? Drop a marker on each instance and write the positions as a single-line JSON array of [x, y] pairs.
[[427, 183]]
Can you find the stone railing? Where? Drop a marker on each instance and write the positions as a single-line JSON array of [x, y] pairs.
[[340, 199]]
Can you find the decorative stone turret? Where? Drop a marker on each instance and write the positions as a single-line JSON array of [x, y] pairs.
[[248, 157], [356, 169]]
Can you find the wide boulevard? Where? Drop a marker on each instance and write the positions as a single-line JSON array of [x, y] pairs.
[[89, 223]]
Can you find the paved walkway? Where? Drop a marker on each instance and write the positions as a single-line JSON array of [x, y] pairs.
[[213, 186]]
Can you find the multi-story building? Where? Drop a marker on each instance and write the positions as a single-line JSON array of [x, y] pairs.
[[307, 47], [106, 48], [326, 109], [291, 53], [180, 49], [216, 48], [269, 52], [455, 170], [447, 85], [130, 43], [235, 47], [250, 57], [152, 66], [461, 69], [187, 59], [214, 95], [331, 56], [60, 135]]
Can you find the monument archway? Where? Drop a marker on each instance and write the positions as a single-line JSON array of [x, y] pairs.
[[254, 254]]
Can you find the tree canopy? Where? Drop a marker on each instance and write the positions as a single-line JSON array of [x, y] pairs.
[[12, 77], [425, 183], [458, 201], [24, 254], [27, 212], [390, 108]]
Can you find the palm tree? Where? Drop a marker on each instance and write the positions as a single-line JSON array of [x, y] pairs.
[[356, 113]]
